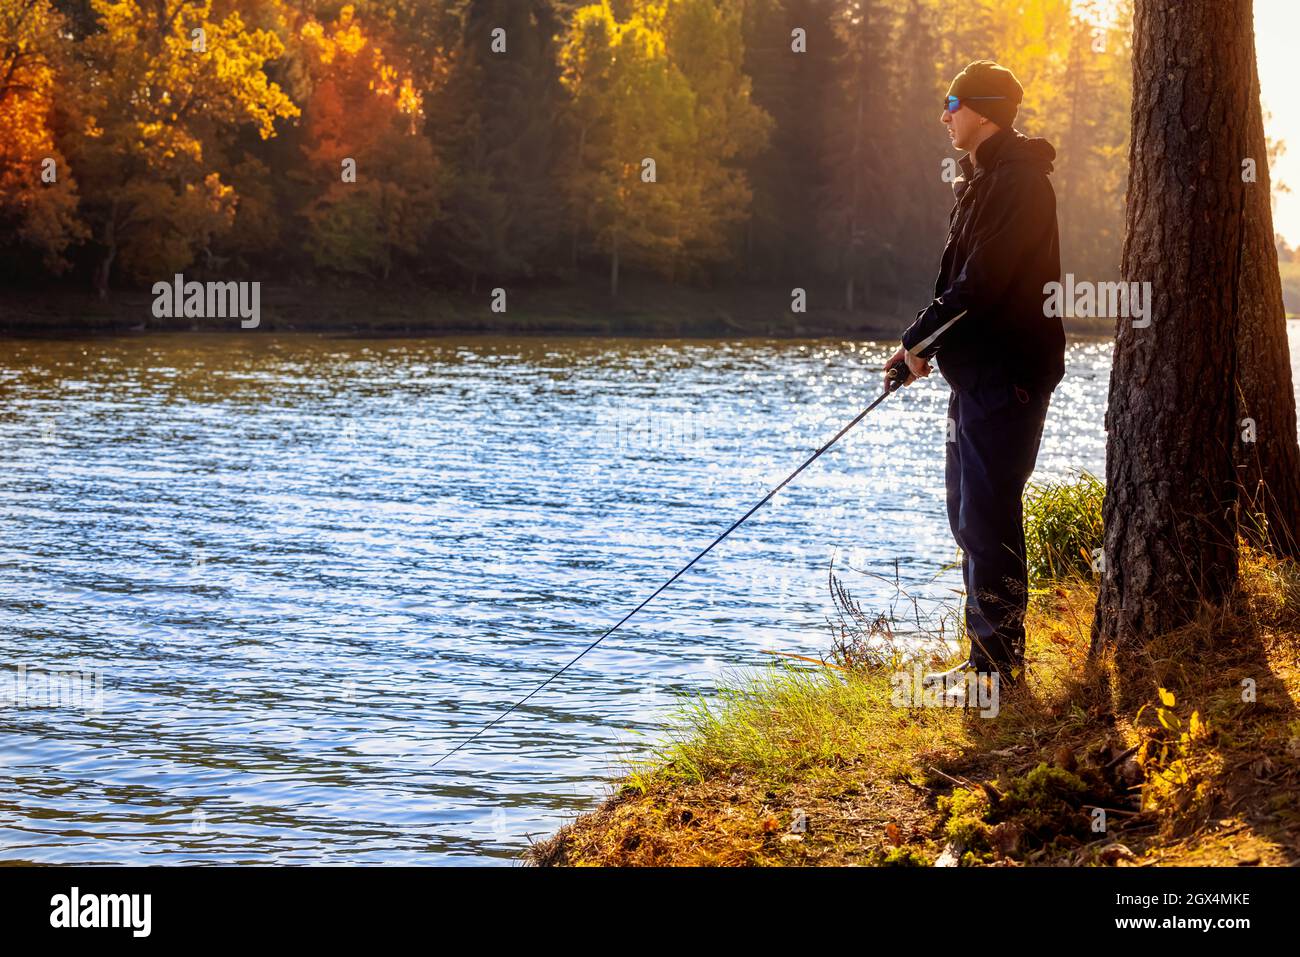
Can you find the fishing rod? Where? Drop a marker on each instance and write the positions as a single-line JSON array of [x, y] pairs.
[[897, 376]]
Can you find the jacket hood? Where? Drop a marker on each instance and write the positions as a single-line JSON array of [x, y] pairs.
[[1027, 149], [1007, 146]]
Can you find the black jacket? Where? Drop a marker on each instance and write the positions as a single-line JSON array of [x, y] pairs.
[[986, 324]]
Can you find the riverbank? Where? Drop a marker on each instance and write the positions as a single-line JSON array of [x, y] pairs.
[[644, 308], [1181, 756]]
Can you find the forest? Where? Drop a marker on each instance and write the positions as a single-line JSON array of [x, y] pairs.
[[464, 145]]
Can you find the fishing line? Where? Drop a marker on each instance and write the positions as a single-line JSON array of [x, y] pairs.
[[895, 374]]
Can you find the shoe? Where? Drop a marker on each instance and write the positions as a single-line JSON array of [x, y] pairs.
[[957, 686], [948, 676], [953, 682]]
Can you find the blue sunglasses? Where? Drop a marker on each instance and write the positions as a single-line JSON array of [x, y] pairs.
[[953, 103]]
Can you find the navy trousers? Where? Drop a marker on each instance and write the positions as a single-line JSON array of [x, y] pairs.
[[994, 431]]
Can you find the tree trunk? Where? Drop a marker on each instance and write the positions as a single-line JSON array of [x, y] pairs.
[[613, 269], [855, 163], [750, 272], [577, 215], [1170, 509], [1269, 465], [104, 270]]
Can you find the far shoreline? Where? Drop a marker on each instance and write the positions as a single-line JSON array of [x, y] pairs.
[[645, 310]]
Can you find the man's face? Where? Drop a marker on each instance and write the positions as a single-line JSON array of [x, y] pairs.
[[963, 127]]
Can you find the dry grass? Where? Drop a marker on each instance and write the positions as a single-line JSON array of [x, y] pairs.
[[876, 784]]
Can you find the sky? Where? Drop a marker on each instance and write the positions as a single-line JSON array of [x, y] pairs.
[[1277, 24]]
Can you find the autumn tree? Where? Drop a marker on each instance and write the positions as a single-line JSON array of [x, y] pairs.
[[1074, 61], [537, 118], [706, 46], [38, 192], [665, 124], [1084, 112], [634, 115], [917, 153], [373, 178], [166, 76], [789, 70], [855, 225], [969, 31]]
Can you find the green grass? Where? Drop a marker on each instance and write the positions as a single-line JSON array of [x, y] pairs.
[[1062, 527], [786, 720]]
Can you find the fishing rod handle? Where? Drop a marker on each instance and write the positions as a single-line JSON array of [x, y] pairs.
[[898, 374]]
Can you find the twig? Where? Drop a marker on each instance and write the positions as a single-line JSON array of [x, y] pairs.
[[1114, 810], [816, 661], [1120, 757], [964, 782]]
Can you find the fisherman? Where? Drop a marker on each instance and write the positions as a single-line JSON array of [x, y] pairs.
[[998, 349]]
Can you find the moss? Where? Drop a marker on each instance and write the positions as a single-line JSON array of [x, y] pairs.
[[1029, 812], [967, 825], [1049, 803], [901, 857]]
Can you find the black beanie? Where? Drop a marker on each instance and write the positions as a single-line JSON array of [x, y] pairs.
[[986, 78]]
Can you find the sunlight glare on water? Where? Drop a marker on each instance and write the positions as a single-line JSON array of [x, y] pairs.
[[307, 567]]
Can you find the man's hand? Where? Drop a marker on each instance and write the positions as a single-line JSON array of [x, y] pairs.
[[917, 368]]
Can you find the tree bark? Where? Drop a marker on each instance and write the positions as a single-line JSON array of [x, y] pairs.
[[1269, 465], [1171, 488], [613, 268], [104, 269]]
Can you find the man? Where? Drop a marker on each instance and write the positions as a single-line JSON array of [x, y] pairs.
[[996, 348]]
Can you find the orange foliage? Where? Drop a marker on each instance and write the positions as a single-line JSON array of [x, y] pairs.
[[38, 195]]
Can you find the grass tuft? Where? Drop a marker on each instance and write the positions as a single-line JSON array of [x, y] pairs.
[[1062, 528]]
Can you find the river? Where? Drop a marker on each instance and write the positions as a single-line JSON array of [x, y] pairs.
[[291, 572]]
